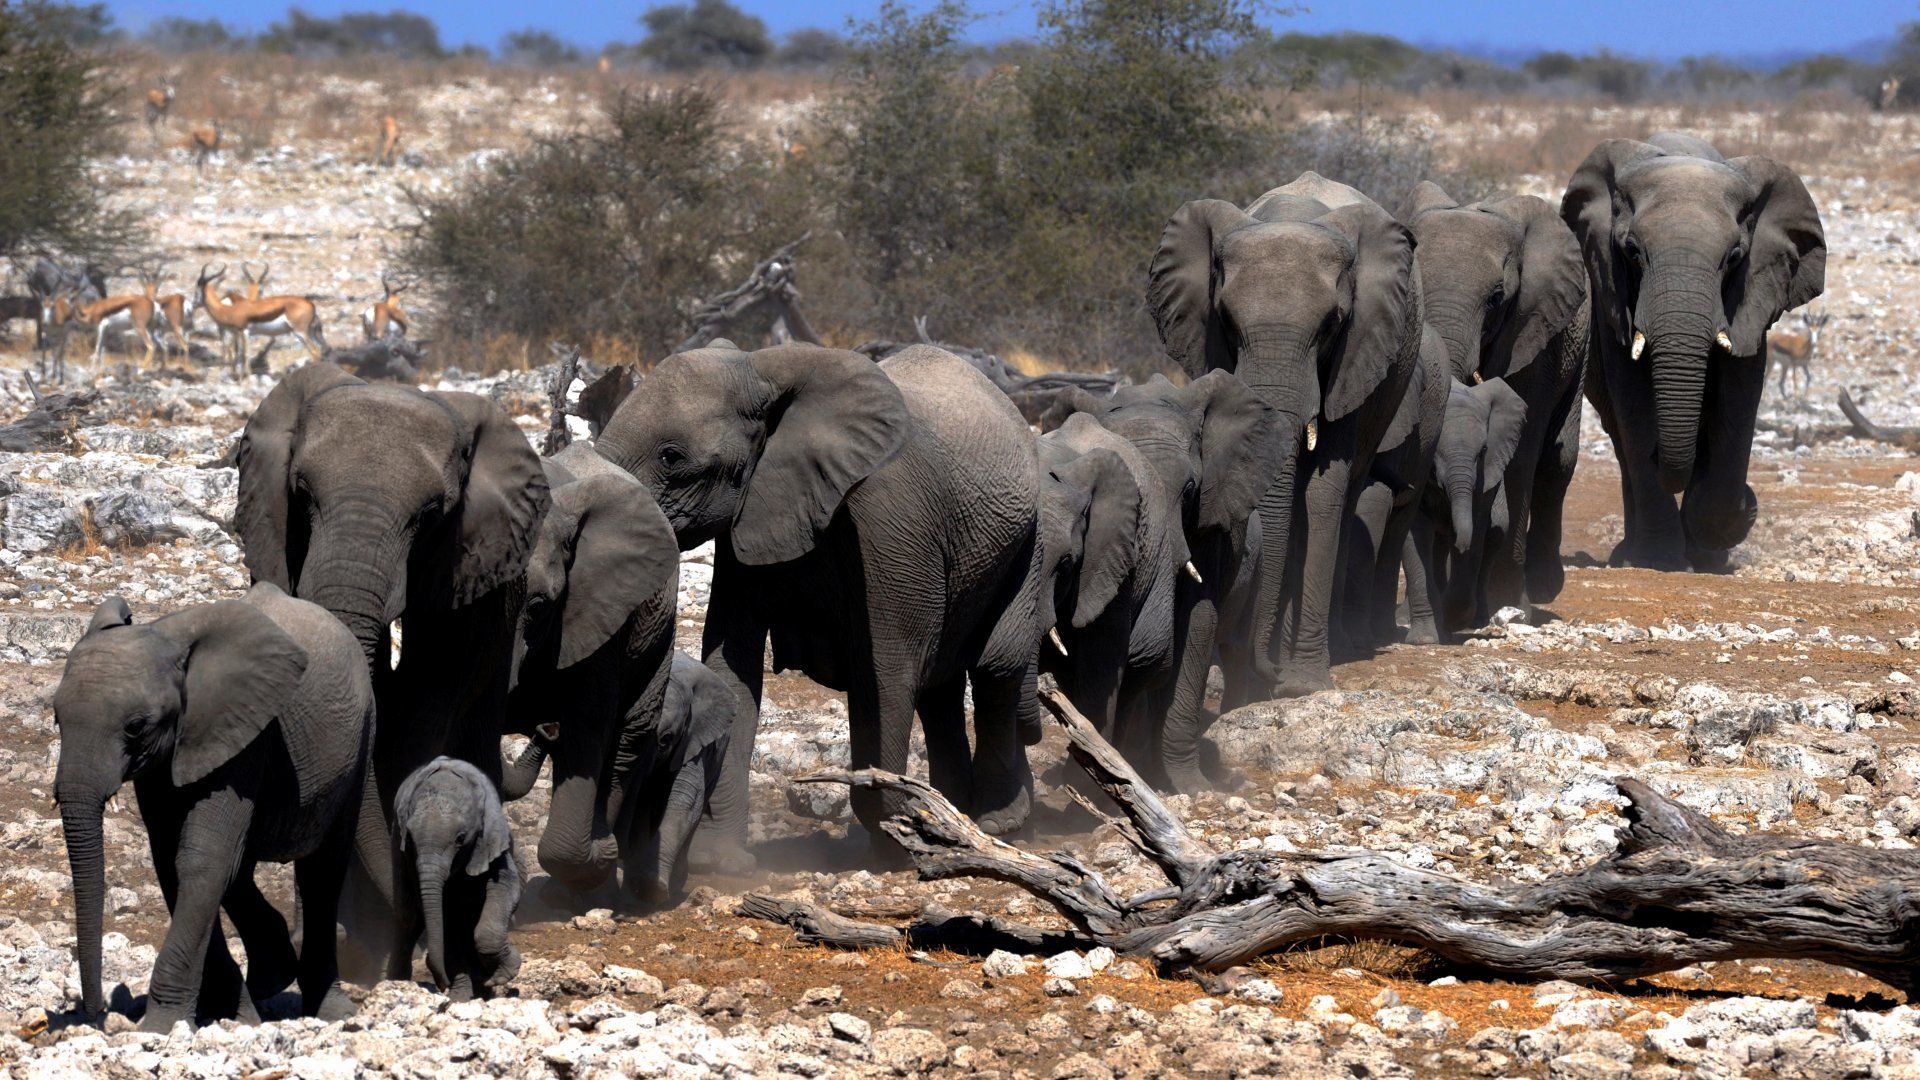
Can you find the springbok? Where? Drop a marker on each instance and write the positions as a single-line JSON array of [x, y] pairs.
[[159, 100], [268, 316], [174, 312], [385, 313], [389, 141], [115, 314], [204, 142], [1794, 351], [1889, 93]]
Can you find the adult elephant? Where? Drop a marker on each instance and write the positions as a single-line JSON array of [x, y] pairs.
[[1507, 291], [1690, 257], [596, 642], [1312, 296], [878, 523], [1211, 449], [385, 504]]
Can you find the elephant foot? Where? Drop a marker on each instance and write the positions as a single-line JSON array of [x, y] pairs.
[[1710, 560], [461, 989], [1423, 633], [335, 1005], [1301, 682], [1187, 779], [247, 1014], [159, 1019], [710, 853], [1646, 557], [1010, 816]]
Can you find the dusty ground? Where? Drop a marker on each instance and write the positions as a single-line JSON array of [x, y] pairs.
[[1804, 658]]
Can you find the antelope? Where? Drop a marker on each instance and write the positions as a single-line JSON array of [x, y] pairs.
[[389, 141], [131, 311], [175, 311], [269, 316], [204, 142], [1794, 351], [1889, 93], [251, 290], [385, 313], [51, 338], [159, 100]]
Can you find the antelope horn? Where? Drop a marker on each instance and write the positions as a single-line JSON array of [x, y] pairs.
[[1639, 344], [1053, 635]]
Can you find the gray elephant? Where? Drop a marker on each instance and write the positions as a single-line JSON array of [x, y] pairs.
[[458, 876], [1466, 508], [675, 765], [1211, 449], [384, 503], [1383, 541], [1507, 291], [596, 644], [245, 726], [1313, 297], [877, 523], [1690, 258]]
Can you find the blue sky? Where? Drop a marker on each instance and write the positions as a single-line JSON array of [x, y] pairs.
[[1656, 28]]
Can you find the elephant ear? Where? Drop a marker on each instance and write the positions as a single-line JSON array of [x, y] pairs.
[[264, 455], [1506, 417], [1425, 197], [1180, 283], [1113, 528], [113, 611], [1242, 447], [493, 837], [707, 708], [1588, 208], [1553, 282], [623, 554], [239, 671], [834, 419], [1383, 330], [500, 509], [1787, 263]]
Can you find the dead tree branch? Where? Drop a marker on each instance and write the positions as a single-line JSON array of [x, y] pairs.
[[770, 288], [1905, 438], [52, 424], [565, 371], [1679, 890]]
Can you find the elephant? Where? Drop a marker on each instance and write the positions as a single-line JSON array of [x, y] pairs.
[[595, 648], [1211, 449], [878, 523], [446, 814], [1312, 295], [1388, 509], [384, 504], [246, 727], [1465, 507], [1690, 258], [1506, 289]]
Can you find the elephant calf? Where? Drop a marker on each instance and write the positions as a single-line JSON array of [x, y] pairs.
[[1465, 506], [447, 812], [245, 726]]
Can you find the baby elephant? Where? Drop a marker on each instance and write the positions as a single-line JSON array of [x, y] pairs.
[[245, 726], [1466, 504], [446, 818]]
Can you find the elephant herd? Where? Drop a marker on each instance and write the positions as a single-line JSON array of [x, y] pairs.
[[1370, 395]]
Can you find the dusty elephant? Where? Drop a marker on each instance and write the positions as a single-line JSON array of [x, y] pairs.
[[1690, 258], [1466, 508], [878, 523], [458, 876]]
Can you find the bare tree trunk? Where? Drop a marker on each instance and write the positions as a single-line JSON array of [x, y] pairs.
[[1678, 891]]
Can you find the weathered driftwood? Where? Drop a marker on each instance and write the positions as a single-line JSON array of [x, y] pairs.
[[52, 424], [1905, 438], [768, 291], [1679, 890], [565, 371], [603, 396]]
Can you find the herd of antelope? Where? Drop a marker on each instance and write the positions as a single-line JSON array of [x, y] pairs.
[[204, 141], [158, 322]]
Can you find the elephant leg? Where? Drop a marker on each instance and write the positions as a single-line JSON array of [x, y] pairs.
[[1546, 574], [943, 719], [682, 815], [497, 960], [221, 985], [1503, 570], [212, 839], [1416, 558], [1356, 630], [271, 960], [1309, 667], [1186, 718], [1002, 780], [735, 650], [1719, 507], [1654, 537], [318, 878]]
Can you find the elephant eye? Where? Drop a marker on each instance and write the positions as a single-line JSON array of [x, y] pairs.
[[1734, 254], [671, 457], [1632, 248]]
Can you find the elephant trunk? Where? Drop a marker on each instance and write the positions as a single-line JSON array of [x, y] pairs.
[[1460, 487], [518, 777], [1682, 315], [80, 819], [433, 890], [1282, 369], [356, 569], [569, 849], [1459, 326]]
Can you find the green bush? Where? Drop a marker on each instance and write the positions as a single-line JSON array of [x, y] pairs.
[[706, 33], [396, 33]]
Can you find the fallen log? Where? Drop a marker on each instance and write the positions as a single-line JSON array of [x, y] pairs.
[[52, 423], [565, 371], [1679, 890], [770, 291], [1905, 438]]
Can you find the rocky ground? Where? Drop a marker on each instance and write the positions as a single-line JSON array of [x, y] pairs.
[[1779, 697]]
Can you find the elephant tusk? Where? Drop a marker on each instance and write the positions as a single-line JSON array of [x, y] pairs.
[[1313, 433], [393, 655], [1721, 339], [1478, 378], [113, 803], [1053, 635], [1194, 574], [1639, 344]]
